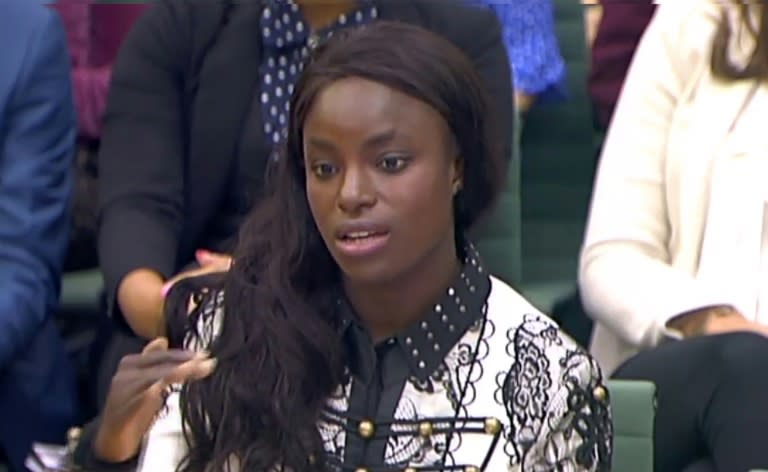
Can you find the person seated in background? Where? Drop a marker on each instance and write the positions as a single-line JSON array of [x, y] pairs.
[[673, 268], [94, 31], [613, 31], [617, 31], [198, 106], [345, 336], [37, 134], [538, 69]]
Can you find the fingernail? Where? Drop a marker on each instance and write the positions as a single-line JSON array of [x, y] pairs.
[[201, 254]]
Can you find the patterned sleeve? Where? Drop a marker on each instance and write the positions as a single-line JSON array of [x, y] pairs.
[[557, 404], [164, 445]]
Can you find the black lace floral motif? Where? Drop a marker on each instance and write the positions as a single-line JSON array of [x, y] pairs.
[[527, 394], [592, 419]]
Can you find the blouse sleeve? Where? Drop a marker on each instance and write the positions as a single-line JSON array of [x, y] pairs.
[[165, 445], [558, 407]]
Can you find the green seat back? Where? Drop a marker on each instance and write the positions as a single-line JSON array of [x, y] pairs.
[[558, 150], [499, 236], [633, 404]]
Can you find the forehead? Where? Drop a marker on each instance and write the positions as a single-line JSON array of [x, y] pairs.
[[355, 104]]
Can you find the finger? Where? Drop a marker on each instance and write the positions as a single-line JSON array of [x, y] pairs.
[[149, 359], [157, 344], [195, 370], [154, 384], [135, 382], [175, 356], [212, 258]]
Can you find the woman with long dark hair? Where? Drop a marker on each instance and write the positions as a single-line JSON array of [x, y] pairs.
[[197, 107], [357, 328], [676, 255]]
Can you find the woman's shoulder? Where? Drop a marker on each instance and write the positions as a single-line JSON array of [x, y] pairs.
[[528, 332], [194, 22], [549, 385], [690, 24]]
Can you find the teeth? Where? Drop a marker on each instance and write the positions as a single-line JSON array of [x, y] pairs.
[[359, 234]]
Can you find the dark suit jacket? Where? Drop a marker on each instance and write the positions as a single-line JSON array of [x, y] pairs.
[[180, 95], [37, 134], [621, 27]]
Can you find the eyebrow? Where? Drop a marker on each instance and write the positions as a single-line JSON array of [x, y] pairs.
[[374, 141]]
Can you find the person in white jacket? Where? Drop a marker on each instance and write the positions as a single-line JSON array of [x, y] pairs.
[[675, 261]]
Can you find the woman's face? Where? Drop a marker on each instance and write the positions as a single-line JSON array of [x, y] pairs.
[[381, 172]]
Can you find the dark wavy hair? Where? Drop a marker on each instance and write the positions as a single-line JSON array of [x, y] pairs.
[[279, 352], [756, 67]]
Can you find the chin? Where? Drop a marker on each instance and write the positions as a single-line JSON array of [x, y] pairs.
[[368, 272]]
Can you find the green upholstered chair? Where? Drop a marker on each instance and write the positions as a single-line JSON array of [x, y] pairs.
[[633, 404], [81, 290], [499, 237], [80, 308], [558, 150]]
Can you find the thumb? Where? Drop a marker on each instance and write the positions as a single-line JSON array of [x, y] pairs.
[[206, 258]]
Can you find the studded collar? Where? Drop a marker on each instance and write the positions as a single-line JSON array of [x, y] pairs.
[[426, 343]]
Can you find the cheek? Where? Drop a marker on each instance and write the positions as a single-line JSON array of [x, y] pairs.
[[428, 196], [316, 198]]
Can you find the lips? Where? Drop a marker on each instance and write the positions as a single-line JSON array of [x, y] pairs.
[[360, 239]]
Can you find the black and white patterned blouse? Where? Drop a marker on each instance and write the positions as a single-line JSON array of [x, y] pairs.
[[287, 42], [483, 383]]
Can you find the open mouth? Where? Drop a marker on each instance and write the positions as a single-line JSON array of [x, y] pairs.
[[362, 243], [361, 236]]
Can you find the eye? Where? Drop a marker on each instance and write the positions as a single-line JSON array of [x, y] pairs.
[[323, 170], [393, 164]]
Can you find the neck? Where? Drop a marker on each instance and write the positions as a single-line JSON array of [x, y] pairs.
[[322, 13], [389, 308]]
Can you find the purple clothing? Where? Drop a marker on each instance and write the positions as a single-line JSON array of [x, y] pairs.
[[622, 25], [94, 34], [75, 14]]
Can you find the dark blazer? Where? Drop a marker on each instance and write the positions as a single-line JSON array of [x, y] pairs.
[[182, 89], [37, 137]]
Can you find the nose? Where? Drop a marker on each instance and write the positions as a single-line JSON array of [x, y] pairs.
[[357, 191]]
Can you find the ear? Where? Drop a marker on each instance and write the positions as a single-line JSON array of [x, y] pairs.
[[457, 174]]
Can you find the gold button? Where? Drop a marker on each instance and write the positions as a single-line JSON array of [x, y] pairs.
[[425, 429], [366, 430], [492, 426], [409, 469], [600, 393], [471, 468], [73, 434]]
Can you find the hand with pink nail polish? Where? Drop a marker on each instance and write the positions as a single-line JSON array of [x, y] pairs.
[[210, 263], [141, 294]]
